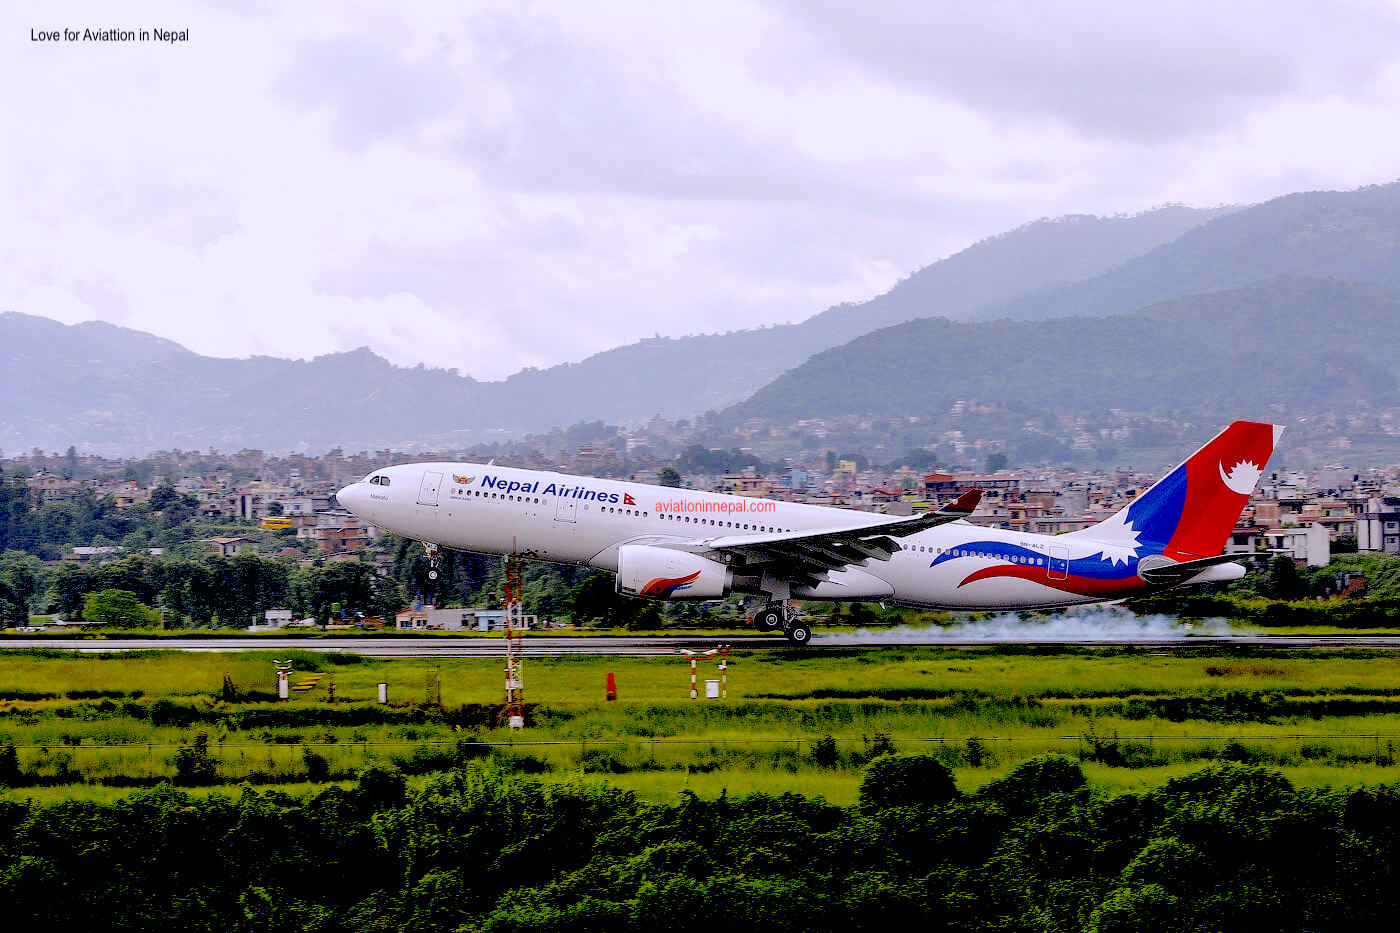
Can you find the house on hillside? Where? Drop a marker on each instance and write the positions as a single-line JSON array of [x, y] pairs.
[[229, 547]]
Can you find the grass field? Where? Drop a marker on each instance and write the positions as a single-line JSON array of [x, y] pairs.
[[802, 720]]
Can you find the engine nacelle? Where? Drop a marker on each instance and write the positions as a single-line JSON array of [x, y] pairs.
[[661, 573]]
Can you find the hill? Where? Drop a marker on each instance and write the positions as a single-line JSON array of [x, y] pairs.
[[1288, 344], [111, 389], [680, 377], [115, 390], [1351, 235]]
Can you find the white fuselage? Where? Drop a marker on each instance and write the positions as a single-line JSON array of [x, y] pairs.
[[580, 520]]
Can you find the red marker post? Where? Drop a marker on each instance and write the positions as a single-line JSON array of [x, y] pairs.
[[612, 686]]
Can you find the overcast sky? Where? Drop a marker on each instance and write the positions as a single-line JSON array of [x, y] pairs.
[[489, 186]]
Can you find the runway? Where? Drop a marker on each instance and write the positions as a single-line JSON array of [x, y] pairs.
[[622, 645]]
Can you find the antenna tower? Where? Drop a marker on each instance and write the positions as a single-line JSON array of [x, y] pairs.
[[515, 625]]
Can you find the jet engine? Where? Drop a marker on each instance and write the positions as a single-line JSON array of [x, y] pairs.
[[662, 573]]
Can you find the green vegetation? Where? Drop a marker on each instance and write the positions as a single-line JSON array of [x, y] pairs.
[[800, 720], [1021, 788], [1227, 847]]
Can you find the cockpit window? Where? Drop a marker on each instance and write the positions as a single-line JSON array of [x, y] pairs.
[[379, 481]]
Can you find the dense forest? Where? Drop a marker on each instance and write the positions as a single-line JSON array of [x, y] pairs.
[[1230, 847]]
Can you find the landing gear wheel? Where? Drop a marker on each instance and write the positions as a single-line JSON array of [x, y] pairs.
[[798, 633], [433, 573], [769, 619]]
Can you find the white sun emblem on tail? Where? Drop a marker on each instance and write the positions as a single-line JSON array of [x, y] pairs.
[[1117, 539], [1241, 478]]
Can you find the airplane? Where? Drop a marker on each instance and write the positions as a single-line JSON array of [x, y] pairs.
[[670, 543]]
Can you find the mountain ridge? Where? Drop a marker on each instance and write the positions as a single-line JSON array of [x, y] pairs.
[[106, 388]]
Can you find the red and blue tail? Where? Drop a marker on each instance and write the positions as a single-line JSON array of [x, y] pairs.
[[1189, 513]]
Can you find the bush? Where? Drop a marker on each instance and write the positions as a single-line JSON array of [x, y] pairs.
[[381, 788], [318, 770], [1032, 782], [10, 775], [597, 761], [906, 780], [825, 753], [1141, 909], [194, 766]]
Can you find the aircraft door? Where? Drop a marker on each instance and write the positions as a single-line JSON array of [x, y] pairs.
[[428, 492], [1059, 563], [564, 510]]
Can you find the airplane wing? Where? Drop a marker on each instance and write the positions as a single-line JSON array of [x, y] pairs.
[[806, 556]]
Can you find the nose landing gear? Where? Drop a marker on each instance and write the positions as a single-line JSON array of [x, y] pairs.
[[432, 552]]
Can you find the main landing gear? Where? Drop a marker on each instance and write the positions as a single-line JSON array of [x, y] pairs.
[[782, 616]]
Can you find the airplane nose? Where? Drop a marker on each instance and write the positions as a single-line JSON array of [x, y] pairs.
[[352, 497]]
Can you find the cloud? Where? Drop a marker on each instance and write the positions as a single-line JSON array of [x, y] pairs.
[[371, 89], [494, 185], [1126, 71]]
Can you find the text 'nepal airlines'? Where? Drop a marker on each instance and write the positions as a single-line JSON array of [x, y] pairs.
[[665, 543]]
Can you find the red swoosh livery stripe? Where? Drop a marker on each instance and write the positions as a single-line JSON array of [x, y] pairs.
[[1082, 586], [662, 586]]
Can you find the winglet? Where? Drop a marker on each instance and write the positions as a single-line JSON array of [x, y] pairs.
[[966, 503]]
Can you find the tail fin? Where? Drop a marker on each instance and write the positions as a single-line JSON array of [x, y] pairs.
[[1189, 513]]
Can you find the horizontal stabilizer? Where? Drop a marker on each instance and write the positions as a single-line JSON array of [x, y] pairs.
[[1166, 572]]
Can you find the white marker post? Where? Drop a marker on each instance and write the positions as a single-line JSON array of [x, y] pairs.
[[283, 669]]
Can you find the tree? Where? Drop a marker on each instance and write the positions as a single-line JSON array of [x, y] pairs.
[[70, 589], [274, 508], [994, 462], [21, 573], [596, 597], [905, 780], [354, 586], [13, 610], [669, 476], [118, 607], [16, 504], [163, 496], [1035, 780], [1283, 582]]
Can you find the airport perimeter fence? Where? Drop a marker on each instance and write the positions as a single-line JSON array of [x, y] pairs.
[[134, 765]]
